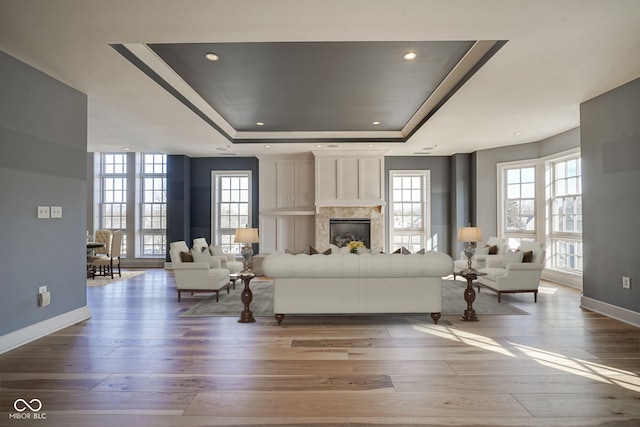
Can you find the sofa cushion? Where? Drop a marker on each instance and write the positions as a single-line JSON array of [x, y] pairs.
[[527, 256], [361, 251], [511, 257], [205, 256], [492, 250], [186, 256], [480, 251]]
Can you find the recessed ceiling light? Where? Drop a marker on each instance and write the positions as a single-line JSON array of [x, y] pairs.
[[267, 146], [370, 145], [318, 146], [211, 56], [375, 122], [332, 146], [517, 133], [127, 149], [259, 123], [427, 148], [408, 56]]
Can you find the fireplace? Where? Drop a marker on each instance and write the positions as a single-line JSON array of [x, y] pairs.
[[344, 230]]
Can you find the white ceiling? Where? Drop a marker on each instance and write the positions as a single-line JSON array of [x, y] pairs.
[[558, 54]]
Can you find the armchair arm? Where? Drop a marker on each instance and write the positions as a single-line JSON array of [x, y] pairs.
[[230, 257]]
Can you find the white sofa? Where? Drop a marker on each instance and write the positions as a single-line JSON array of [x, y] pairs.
[[356, 284], [508, 274], [202, 275]]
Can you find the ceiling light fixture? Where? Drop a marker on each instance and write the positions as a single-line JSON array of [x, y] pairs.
[[127, 149], [267, 146], [370, 145], [408, 56], [211, 56], [318, 146], [375, 122], [259, 123], [517, 133]]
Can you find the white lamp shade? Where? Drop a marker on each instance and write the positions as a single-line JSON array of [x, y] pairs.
[[469, 234], [246, 235]]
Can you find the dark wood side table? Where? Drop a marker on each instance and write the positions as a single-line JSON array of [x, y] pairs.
[[247, 296], [469, 294]]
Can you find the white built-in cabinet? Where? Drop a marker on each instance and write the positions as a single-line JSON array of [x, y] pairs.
[[353, 178], [287, 216]]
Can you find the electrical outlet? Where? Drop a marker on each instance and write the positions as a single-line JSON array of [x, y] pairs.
[[626, 282], [43, 212], [42, 289], [56, 211]]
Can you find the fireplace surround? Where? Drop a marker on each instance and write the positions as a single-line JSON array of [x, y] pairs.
[[373, 213]]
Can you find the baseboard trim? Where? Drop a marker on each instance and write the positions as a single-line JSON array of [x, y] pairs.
[[610, 310], [38, 330]]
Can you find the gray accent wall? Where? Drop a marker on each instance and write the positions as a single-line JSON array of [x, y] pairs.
[[43, 152], [440, 168], [610, 134], [189, 194]]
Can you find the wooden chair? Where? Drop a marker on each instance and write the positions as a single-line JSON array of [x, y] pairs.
[[106, 264]]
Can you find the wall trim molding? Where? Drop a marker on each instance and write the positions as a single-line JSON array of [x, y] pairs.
[[38, 330], [610, 310]]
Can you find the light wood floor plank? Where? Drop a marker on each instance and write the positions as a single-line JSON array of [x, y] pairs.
[[137, 362]]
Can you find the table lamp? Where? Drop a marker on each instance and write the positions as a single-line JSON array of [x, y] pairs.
[[470, 235], [246, 236]]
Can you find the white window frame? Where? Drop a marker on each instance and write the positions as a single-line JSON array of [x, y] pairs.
[[425, 232], [159, 234], [216, 235], [553, 237], [102, 204], [543, 213], [514, 238]]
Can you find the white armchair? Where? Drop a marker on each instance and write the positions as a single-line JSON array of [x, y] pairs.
[[479, 260], [515, 272], [227, 261], [202, 275]]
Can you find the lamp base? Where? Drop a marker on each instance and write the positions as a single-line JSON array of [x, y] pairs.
[[247, 254]]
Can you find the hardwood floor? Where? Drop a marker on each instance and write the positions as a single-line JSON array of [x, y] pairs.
[[137, 363]]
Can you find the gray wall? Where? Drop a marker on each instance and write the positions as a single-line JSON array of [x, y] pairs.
[[487, 178], [189, 194], [43, 149], [610, 135], [440, 168]]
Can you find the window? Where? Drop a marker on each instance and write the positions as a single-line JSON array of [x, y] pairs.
[[133, 199], [519, 207], [541, 200], [564, 179], [113, 181], [231, 207], [153, 205], [409, 227]]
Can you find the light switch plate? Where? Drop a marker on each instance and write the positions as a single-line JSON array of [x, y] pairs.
[[56, 211], [43, 212]]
